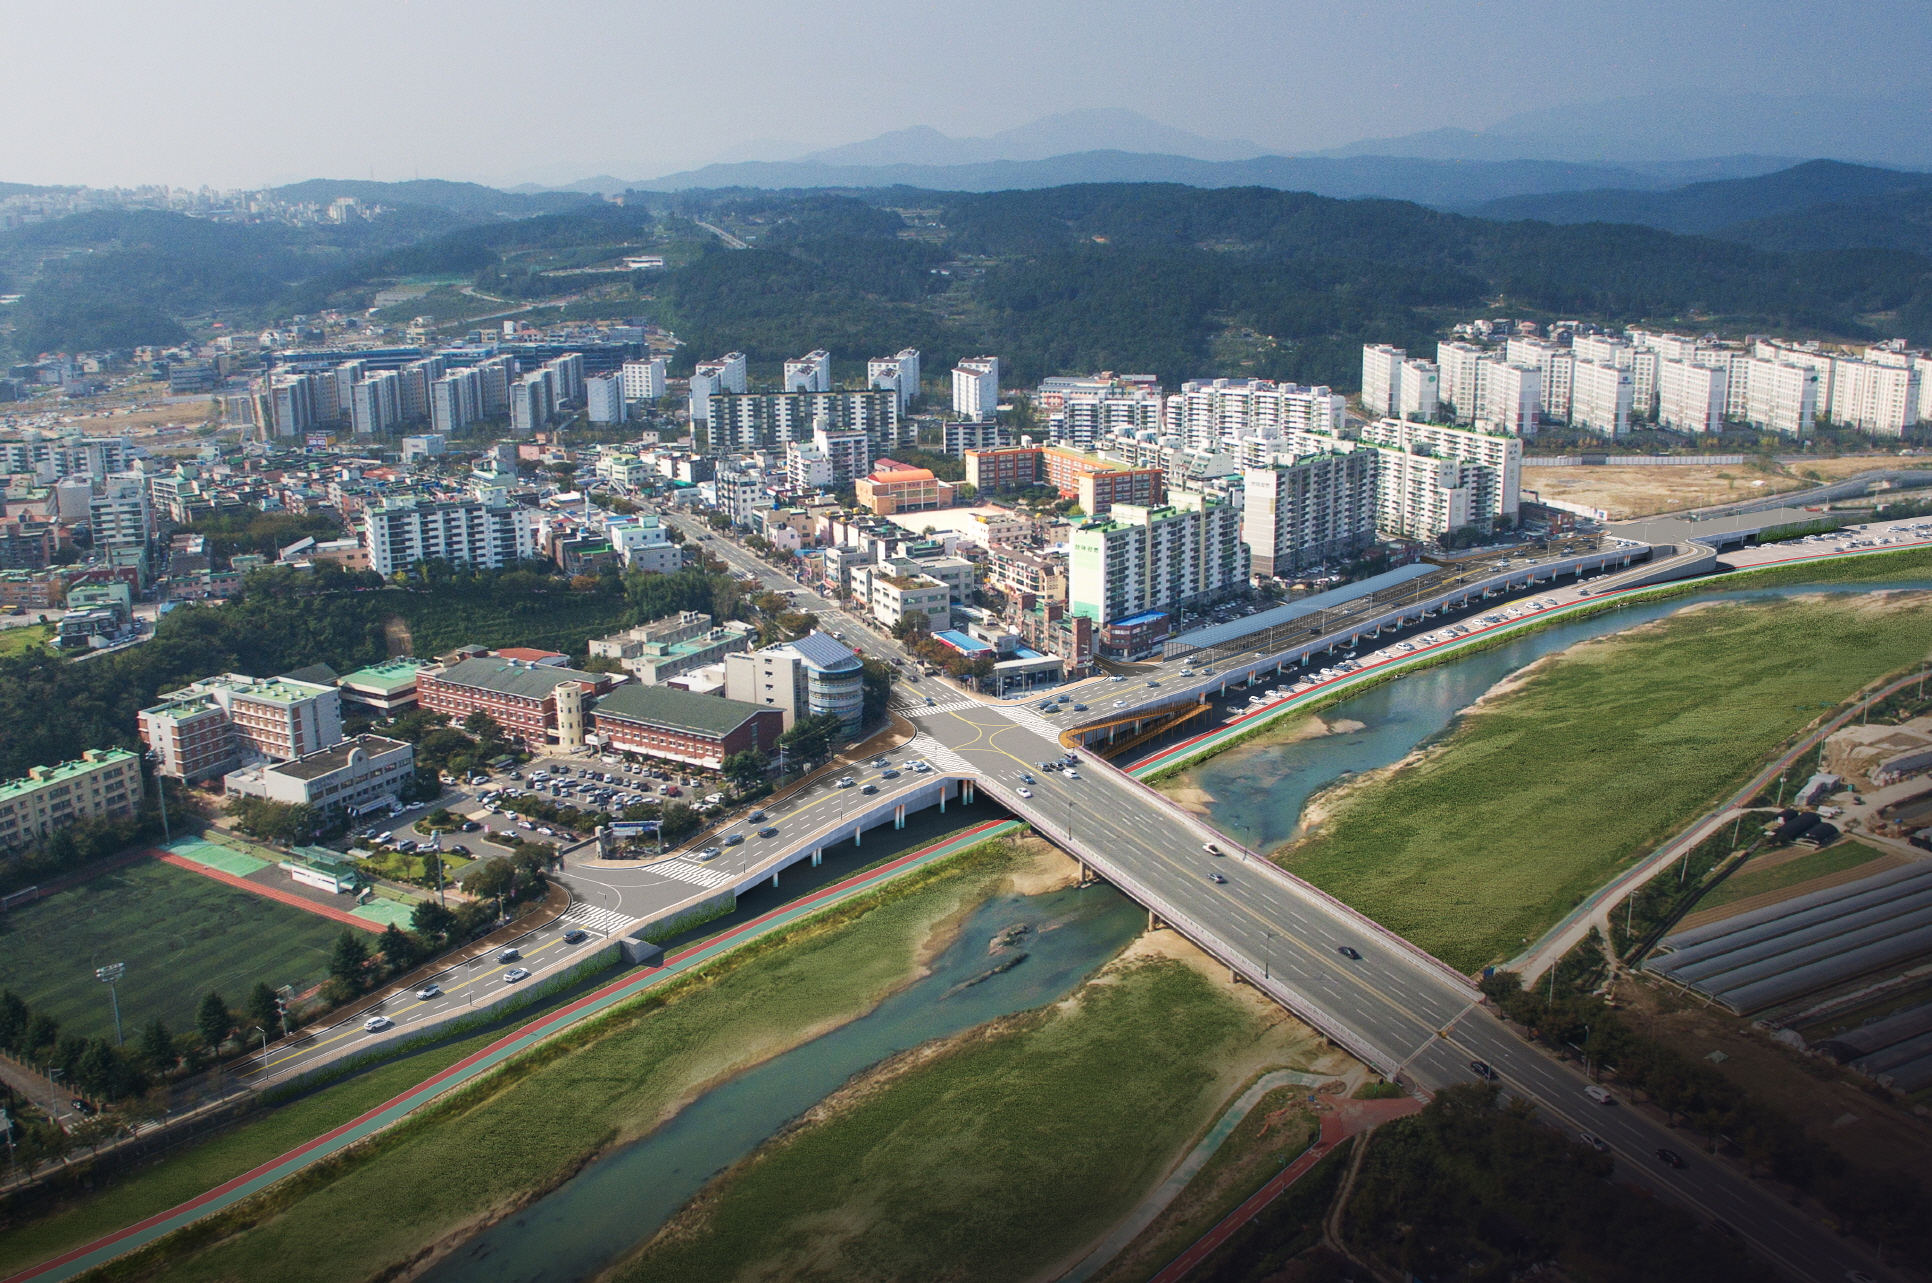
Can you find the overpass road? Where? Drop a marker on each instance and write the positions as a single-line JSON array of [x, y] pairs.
[[1396, 1007]]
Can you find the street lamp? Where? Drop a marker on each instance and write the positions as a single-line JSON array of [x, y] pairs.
[[264, 1033], [110, 975]]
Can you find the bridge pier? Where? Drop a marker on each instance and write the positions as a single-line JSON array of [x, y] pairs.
[[774, 877], [818, 857], [1153, 921], [899, 816]]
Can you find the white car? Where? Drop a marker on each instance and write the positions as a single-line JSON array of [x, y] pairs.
[[1026, 792], [376, 1024]]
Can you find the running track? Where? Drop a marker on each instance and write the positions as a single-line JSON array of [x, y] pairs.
[[105, 1249]]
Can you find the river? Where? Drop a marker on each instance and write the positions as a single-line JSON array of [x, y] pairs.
[[1259, 790], [621, 1199]]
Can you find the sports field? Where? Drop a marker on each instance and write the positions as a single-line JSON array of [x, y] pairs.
[[1589, 759], [180, 934]]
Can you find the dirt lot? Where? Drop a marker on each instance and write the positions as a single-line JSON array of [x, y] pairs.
[[1852, 464], [1830, 1103], [1643, 492]]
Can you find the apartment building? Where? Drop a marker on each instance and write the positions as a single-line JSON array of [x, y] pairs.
[[1083, 411], [100, 784], [809, 677], [1014, 570], [1458, 390], [1205, 413], [890, 593], [1423, 496], [120, 514], [1601, 396], [1508, 396], [976, 387], [214, 725], [1396, 385], [1307, 510], [604, 399], [1491, 465], [1882, 399], [456, 400], [742, 422], [49, 458], [540, 706], [1782, 397], [1554, 364], [361, 774], [809, 373], [1691, 397], [643, 380], [898, 374], [1141, 559], [469, 532]]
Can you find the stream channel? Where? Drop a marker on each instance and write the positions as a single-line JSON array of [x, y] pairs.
[[620, 1200], [1259, 789]]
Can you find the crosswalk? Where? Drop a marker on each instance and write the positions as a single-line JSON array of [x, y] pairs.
[[698, 875], [954, 706], [603, 921], [1033, 722]]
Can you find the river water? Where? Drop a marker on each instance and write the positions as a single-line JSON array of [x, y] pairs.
[[1259, 789], [621, 1199]]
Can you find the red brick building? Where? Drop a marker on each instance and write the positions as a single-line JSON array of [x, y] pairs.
[[1097, 483], [537, 705], [702, 730]]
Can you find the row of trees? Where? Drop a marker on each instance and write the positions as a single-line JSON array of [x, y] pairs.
[[78, 845]]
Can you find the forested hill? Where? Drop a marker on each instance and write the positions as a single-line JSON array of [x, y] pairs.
[[1172, 280]]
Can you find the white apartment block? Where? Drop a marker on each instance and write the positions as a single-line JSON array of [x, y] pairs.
[[1691, 398], [456, 400], [121, 515], [1308, 510], [375, 404], [1421, 496], [406, 530], [1781, 397], [50, 458], [1880, 399], [1554, 364], [1206, 413], [726, 374], [976, 387], [1140, 559], [604, 398], [809, 373], [1492, 465], [1602, 349], [1420, 394], [807, 468], [1382, 378], [1507, 396], [644, 380], [1601, 395], [533, 400], [1460, 385], [898, 373]]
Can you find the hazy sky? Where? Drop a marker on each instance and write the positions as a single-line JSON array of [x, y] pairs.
[[212, 91]]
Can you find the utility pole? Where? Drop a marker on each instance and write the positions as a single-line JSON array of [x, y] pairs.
[[110, 975]]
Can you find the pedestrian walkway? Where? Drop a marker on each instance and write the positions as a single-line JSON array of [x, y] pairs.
[[953, 706], [604, 921], [1033, 722], [696, 874], [938, 755]]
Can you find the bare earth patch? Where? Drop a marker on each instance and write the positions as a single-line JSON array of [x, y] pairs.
[[1641, 492]]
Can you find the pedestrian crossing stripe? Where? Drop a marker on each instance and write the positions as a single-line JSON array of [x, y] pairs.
[[957, 706], [937, 754], [607, 921], [1033, 722], [696, 874]]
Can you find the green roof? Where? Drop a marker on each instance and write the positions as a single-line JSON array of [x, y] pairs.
[[29, 783], [387, 678], [507, 677], [676, 709]]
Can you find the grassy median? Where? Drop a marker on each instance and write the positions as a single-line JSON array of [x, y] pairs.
[[1587, 760], [994, 1154], [488, 1147]]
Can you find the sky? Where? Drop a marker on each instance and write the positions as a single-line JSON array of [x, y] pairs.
[[232, 94]]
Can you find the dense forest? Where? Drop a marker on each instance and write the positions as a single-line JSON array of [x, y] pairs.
[[1176, 281]]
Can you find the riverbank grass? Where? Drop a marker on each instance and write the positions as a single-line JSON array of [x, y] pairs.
[[1588, 760], [992, 1154], [491, 1147]]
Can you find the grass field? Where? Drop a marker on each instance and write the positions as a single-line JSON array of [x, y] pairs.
[[24, 639], [1472, 846], [526, 1128], [1012, 1147], [1748, 882], [185, 1174], [1276, 1130], [180, 935]]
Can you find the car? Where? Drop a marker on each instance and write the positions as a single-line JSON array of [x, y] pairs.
[[710, 853], [1153, 683], [515, 974], [1482, 1070], [457, 848], [576, 935], [889, 775], [1215, 877], [930, 701], [80, 1106], [1212, 849], [768, 831], [1594, 1141], [469, 826], [1599, 1094], [870, 788], [1079, 708], [384, 836], [733, 839], [1026, 792], [429, 991], [756, 816], [1671, 1159], [509, 953], [846, 782], [1072, 774], [376, 1024], [1349, 951]]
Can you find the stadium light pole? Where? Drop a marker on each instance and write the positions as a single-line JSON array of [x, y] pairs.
[[161, 792], [110, 975]]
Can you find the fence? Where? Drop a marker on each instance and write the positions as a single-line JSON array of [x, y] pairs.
[[1632, 460]]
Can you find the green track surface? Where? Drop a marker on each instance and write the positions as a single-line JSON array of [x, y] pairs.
[[216, 856], [1602, 752], [180, 934]]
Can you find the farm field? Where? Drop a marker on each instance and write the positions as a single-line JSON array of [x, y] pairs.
[[528, 1126], [180, 935], [1773, 874], [1561, 775], [996, 1152]]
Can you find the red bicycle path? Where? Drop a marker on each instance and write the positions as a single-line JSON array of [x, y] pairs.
[[80, 1259]]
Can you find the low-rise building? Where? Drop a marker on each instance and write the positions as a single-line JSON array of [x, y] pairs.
[[386, 688], [540, 706], [893, 487], [656, 652], [1096, 483], [361, 774], [679, 726], [809, 677], [101, 783], [890, 596]]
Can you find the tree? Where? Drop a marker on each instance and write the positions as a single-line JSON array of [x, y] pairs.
[[264, 1008], [912, 625], [157, 1047], [348, 957], [811, 738], [484, 727], [213, 1020], [397, 949], [746, 768], [431, 920], [879, 677]]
